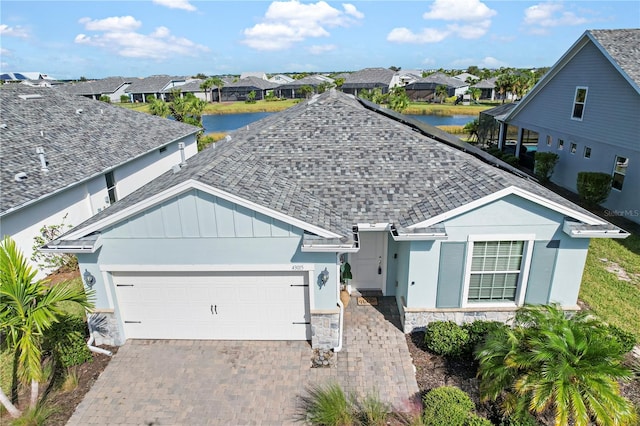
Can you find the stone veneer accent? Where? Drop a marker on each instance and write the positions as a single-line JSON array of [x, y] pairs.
[[417, 320], [325, 329], [104, 326]]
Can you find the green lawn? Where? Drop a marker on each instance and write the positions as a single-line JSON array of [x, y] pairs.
[[614, 300]]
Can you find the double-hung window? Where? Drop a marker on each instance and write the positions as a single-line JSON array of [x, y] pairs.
[[579, 103], [619, 172], [111, 187], [497, 270]]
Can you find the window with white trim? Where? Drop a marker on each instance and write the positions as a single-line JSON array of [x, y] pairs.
[[495, 271], [573, 147], [619, 172], [111, 187], [587, 152], [579, 101]]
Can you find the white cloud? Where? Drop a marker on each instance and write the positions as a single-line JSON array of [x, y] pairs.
[[114, 23], [291, 22], [116, 34], [320, 49], [541, 17], [491, 62], [472, 20], [177, 4], [18, 31], [427, 35], [5, 52], [459, 10]]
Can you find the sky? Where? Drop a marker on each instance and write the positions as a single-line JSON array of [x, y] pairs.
[[97, 39]]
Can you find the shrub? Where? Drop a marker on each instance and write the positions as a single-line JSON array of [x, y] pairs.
[[626, 340], [511, 159], [524, 419], [36, 416], [446, 338], [51, 261], [447, 406], [372, 411], [326, 405], [124, 99], [66, 340], [478, 331], [594, 187], [544, 164], [476, 420], [105, 98]]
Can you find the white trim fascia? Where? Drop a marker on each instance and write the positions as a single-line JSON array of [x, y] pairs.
[[420, 237], [382, 226], [295, 267], [595, 233], [512, 190], [523, 275], [189, 185], [329, 249]]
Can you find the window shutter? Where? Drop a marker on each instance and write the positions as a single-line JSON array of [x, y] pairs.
[[543, 262], [451, 275]]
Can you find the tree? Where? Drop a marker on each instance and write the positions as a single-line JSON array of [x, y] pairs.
[[105, 98], [550, 361], [305, 90], [394, 68], [200, 76], [251, 97], [475, 93], [187, 109], [338, 82], [441, 92], [398, 99], [471, 128], [218, 82], [28, 307], [504, 84], [206, 86], [159, 107]]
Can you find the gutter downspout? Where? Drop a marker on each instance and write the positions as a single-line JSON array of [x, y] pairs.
[[341, 327], [95, 348]]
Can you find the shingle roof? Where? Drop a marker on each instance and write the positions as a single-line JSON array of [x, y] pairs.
[[77, 145], [252, 82], [440, 78], [94, 87], [489, 83], [369, 76], [153, 84], [310, 80], [334, 163], [624, 47], [191, 86]]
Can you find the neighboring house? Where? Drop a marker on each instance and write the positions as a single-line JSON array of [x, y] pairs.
[[424, 89], [21, 76], [246, 241], [586, 109], [255, 74], [292, 90], [409, 76], [191, 86], [487, 88], [370, 79], [67, 157], [466, 77], [142, 89], [281, 79], [113, 87], [239, 90]]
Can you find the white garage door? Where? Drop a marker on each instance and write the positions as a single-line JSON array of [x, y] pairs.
[[214, 305]]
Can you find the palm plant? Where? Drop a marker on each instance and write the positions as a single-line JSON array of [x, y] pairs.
[[159, 107], [442, 92], [28, 307], [206, 86], [549, 361], [218, 82]]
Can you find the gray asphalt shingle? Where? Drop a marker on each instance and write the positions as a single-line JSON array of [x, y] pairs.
[[334, 163], [77, 145], [624, 47]]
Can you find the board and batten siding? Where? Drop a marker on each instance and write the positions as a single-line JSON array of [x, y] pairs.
[[197, 228]]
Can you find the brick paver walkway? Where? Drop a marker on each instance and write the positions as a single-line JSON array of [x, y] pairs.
[[153, 382]]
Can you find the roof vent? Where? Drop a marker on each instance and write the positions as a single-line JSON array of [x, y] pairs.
[[43, 161], [19, 177], [31, 96], [79, 111], [3, 126]]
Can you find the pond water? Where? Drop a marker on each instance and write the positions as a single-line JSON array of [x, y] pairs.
[[229, 122]]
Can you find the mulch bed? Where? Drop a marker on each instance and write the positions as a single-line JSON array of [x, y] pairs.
[[433, 371]]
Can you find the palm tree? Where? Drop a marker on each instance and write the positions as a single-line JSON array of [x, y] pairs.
[[28, 307], [442, 92], [504, 84], [398, 99], [475, 93], [548, 361], [206, 86], [159, 107], [218, 82]]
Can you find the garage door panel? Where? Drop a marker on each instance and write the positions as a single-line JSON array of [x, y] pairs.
[[206, 305]]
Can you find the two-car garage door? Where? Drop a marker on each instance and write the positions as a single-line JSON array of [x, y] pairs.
[[214, 305]]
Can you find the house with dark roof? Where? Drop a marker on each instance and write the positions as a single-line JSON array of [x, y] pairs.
[[586, 109], [65, 158], [250, 239], [240, 89], [191, 86], [292, 90], [370, 79], [424, 89], [487, 88], [142, 89], [113, 87]]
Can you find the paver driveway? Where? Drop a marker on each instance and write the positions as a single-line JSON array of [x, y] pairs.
[[160, 382]]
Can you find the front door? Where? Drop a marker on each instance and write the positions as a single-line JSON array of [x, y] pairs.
[[368, 265]]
